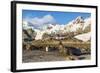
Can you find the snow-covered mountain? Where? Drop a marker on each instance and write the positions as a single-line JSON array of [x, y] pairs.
[[87, 24], [72, 26], [77, 25], [26, 25]]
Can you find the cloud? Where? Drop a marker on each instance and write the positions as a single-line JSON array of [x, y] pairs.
[[40, 22]]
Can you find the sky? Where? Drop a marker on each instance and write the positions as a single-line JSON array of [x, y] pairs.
[[42, 17]]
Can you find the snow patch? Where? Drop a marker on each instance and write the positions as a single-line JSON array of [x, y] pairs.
[[84, 37], [87, 22]]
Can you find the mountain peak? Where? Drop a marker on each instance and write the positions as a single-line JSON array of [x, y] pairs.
[[79, 19]]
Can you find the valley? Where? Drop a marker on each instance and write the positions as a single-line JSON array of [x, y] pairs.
[[55, 42]]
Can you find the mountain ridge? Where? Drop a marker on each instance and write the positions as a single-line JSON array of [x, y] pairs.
[[76, 26]]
